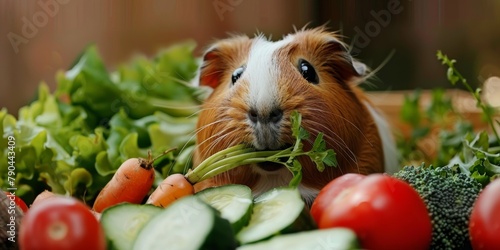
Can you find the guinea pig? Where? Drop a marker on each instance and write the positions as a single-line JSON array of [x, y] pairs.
[[257, 83]]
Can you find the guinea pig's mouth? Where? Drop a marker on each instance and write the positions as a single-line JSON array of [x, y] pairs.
[[273, 166], [270, 166]]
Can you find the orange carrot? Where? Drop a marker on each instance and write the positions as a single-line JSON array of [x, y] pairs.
[[173, 187], [130, 183]]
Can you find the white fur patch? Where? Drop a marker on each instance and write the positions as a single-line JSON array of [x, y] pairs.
[[388, 145], [261, 73]]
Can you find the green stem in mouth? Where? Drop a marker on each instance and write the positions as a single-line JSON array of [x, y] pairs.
[[238, 149], [232, 157]]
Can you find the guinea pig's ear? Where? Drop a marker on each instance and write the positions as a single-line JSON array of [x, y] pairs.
[[360, 67], [343, 66], [221, 57]]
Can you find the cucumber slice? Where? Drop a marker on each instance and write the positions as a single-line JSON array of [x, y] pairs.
[[332, 238], [188, 223], [233, 201], [278, 211], [121, 223]]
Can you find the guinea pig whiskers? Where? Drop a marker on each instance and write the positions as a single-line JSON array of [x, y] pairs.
[[343, 148], [350, 122], [198, 130], [194, 133], [217, 108], [206, 126], [209, 125], [328, 133], [220, 135], [201, 110], [333, 137], [220, 138]]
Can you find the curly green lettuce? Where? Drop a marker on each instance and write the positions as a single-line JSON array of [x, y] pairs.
[[72, 141]]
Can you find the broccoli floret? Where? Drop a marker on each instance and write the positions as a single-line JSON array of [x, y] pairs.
[[449, 196]]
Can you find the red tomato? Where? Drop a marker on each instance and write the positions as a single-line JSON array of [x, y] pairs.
[[19, 202], [484, 223], [61, 223], [386, 213], [332, 189]]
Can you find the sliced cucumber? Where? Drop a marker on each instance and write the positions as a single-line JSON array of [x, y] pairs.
[[121, 223], [233, 201], [278, 211], [332, 238], [188, 223]]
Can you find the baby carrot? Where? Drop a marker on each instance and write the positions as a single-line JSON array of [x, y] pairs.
[[173, 187], [130, 183]]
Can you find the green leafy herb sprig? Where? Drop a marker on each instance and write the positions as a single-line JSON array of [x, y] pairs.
[[454, 76]]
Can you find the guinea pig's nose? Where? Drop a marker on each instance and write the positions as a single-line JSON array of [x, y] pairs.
[[273, 116]]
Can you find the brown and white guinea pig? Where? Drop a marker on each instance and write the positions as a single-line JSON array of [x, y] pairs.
[[257, 83]]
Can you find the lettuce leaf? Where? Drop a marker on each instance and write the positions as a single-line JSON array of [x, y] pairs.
[[73, 140]]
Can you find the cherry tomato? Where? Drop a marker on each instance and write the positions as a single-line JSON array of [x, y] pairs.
[[19, 202], [385, 213], [484, 223], [332, 189], [61, 223]]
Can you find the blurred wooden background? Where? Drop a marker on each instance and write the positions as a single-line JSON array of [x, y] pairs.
[[411, 30]]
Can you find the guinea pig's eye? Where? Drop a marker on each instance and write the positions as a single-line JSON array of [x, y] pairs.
[[308, 72], [237, 74]]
